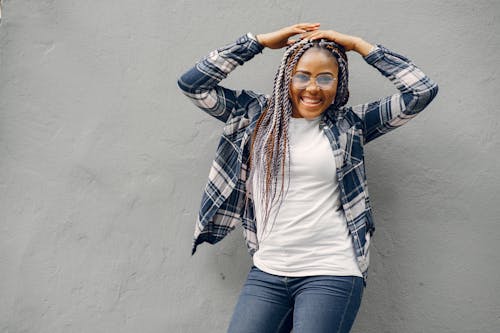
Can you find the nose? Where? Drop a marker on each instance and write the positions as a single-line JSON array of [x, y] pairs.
[[312, 86]]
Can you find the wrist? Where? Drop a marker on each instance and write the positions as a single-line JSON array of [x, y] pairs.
[[257, 41], [258, 38], [362, 47]]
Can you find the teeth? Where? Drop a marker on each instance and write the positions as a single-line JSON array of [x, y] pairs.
[[311, 100]]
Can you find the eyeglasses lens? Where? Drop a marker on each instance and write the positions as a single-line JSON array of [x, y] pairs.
[[323, 81]]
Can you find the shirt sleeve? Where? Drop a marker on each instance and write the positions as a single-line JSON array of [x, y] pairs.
[[201, 83], [416, 91]]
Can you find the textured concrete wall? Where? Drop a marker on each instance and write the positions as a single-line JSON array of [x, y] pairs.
[[102, 164]]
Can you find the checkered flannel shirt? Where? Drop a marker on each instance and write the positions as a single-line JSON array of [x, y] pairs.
[[224, 203]]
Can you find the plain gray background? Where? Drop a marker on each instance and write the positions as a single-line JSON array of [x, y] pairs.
[[103, 162]]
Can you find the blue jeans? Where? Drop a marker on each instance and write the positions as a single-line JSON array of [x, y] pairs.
[[313, 304]]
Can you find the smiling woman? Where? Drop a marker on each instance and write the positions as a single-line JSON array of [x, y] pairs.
[[293, 98], [290, 168], [311, 97]]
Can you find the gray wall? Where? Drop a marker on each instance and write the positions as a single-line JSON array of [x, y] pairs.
[[103, 162]]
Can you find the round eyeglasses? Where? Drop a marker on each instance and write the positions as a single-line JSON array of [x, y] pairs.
[[323, 81]]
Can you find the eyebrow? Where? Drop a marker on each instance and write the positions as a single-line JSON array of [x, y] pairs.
[[306, 72]]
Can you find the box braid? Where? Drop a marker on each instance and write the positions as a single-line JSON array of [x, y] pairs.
[[270, 150]]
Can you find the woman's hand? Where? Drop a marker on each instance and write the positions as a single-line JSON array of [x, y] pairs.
[[350, 43], [280, 38]]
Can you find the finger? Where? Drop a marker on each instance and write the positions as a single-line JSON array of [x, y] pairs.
[[313, 28], [308, 26], [299, 30], [319, 35], [308, 35], [316, 35]]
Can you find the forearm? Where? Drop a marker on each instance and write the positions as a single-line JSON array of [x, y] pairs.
[[208, 72], [416, 87], [201, 83], [363, 47], [416, 91]]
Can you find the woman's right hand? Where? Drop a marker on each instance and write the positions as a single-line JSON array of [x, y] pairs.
[[280, 38]]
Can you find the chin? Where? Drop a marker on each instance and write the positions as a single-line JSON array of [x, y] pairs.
[[308, 114]]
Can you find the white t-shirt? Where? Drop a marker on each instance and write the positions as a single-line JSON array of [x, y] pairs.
[[309, 234]]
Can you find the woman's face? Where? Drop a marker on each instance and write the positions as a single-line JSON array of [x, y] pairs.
[[310, 99]]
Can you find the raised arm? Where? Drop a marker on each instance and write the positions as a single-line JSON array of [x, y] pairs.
[[416, 90], [201, 83]]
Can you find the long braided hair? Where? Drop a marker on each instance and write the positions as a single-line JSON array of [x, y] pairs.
[[270, 149]]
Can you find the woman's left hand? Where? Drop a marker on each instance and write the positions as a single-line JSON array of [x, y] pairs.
[[350, 43]]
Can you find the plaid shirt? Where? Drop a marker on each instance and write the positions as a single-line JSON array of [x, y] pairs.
[[224, 203]]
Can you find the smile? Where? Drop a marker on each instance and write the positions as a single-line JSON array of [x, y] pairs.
[[310, 101]]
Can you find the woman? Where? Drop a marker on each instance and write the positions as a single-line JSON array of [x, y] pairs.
[[290, 168]]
